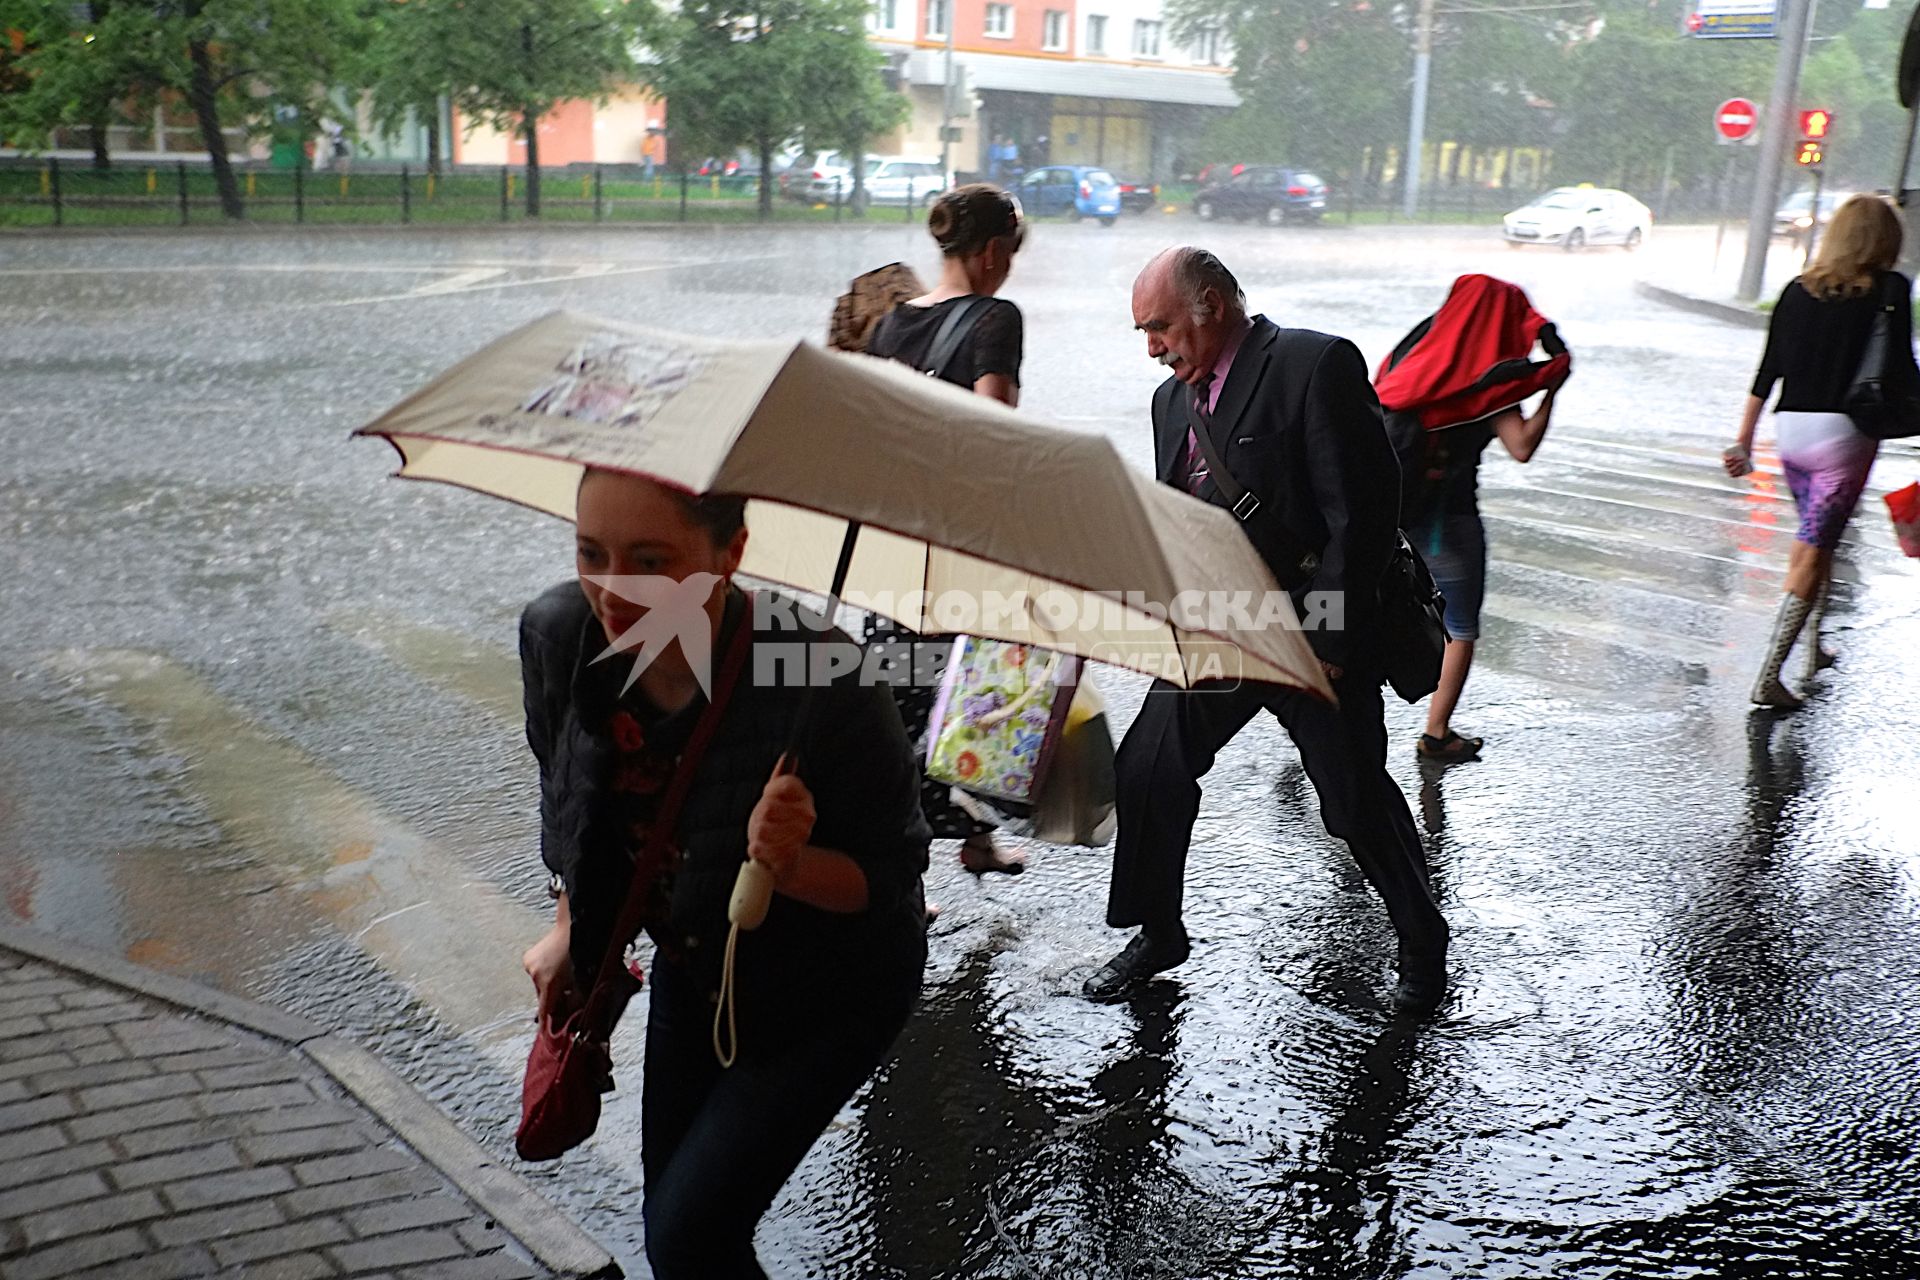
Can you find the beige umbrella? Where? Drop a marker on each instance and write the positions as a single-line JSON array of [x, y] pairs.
[[960, 515]]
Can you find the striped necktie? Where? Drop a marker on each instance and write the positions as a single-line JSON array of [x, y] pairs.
[[1203, 419]]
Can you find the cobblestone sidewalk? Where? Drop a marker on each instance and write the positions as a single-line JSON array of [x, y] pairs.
[[139, 1139]]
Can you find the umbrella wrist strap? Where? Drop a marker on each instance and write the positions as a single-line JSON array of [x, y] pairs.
[[724, 1012]]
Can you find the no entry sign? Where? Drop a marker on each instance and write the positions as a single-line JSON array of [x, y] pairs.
[[1736, 119]]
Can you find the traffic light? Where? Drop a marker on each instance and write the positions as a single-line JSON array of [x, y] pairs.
[[1815, 124], [1809, 154]]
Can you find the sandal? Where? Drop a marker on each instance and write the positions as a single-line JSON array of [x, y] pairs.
[[1450, 749], [988, 857]]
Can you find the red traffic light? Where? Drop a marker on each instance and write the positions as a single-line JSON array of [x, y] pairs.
[[1816, 123], [1809, 154]]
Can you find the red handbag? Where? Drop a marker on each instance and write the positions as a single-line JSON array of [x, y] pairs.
[[571, 1064]]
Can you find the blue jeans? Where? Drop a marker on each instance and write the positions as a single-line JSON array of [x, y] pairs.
[[1454, 545], [717, 1145]]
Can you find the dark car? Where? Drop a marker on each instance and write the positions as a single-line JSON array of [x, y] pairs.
[[1137, 195], [1217, 173], [1265, 192]]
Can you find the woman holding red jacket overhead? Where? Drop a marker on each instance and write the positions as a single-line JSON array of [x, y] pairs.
[[1454, 385]]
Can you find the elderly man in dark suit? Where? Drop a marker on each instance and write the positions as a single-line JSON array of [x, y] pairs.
[[1294, 423]]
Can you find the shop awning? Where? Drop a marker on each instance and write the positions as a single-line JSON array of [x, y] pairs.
[[1077, 78]]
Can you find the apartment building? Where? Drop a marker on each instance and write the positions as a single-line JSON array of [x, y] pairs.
[[1036, 82]]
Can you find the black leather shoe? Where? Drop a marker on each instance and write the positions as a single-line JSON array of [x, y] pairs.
[[1422, 986], [1145, 956]]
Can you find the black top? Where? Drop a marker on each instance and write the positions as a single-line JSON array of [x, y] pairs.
[[1454, 461], [1814, 346], [906, 334], [803, 962]]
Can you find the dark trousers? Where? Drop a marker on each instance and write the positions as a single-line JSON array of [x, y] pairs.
[[717, 1145], [1171, 746]]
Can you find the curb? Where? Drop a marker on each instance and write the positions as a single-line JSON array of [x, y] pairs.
[[521, 1212], [1730, 312]]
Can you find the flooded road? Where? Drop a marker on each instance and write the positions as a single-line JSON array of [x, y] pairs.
[[259, 726]]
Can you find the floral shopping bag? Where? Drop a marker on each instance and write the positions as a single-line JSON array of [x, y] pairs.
[[1904, 505], [1000, 714]]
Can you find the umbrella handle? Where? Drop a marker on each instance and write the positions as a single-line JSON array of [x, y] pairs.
[[847, 542]]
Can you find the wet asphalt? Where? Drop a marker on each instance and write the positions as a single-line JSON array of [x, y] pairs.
[[259, 726]]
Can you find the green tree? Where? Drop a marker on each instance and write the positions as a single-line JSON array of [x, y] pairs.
[[741, 74], [1636, 98], [1319, 80], [62, 74], [1852, 73], [411, 52], [232, 61], [849, 105], [511, 61]]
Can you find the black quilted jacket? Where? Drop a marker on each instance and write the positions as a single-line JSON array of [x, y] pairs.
[[803, 962]]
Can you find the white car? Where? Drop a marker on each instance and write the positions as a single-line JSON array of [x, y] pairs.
[[899, 180], [1574, 217], [816, 177]]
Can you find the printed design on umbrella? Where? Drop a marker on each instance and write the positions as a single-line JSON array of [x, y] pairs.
[[616, 380]]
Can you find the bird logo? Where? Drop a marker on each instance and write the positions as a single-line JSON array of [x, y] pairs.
[[675, 610]]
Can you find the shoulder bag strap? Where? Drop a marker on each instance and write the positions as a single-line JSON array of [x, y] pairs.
[[953, 333], [1299, 559], [1239, 500], [627, 926]]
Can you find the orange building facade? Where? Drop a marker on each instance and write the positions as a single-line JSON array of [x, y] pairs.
[[1026, 83], [628, 129]]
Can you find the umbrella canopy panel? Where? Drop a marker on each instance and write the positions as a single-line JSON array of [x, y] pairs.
[[1049, 534]]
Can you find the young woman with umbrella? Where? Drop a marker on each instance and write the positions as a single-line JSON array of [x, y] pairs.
[[824, 985], [1815, 341]]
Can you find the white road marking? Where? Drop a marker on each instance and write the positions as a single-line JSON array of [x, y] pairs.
[[458, 281]]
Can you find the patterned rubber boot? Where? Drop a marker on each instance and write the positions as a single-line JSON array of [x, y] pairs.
[[1767, 689], [1816, 659]]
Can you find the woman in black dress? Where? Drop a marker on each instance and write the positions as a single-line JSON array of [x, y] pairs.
[[979, 228]]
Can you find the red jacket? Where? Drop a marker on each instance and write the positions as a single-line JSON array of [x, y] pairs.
[[1471, 358]]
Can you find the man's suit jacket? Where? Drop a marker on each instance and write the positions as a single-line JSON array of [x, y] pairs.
[[1297, 424]]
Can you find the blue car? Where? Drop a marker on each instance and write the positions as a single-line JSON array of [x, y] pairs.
[[1078, 190]]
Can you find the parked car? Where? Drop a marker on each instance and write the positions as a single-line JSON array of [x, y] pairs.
[[1267, 192], [1573, 217], [1078, 190], [899, 180], [1794, 218], [813, 174], [1137, 195]]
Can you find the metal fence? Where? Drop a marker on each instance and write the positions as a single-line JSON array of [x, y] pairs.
[[54, 193], [49, 192]]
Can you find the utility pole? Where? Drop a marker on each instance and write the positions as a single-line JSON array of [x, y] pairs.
[[1774, 131], [1417, 121], [946, 91]]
